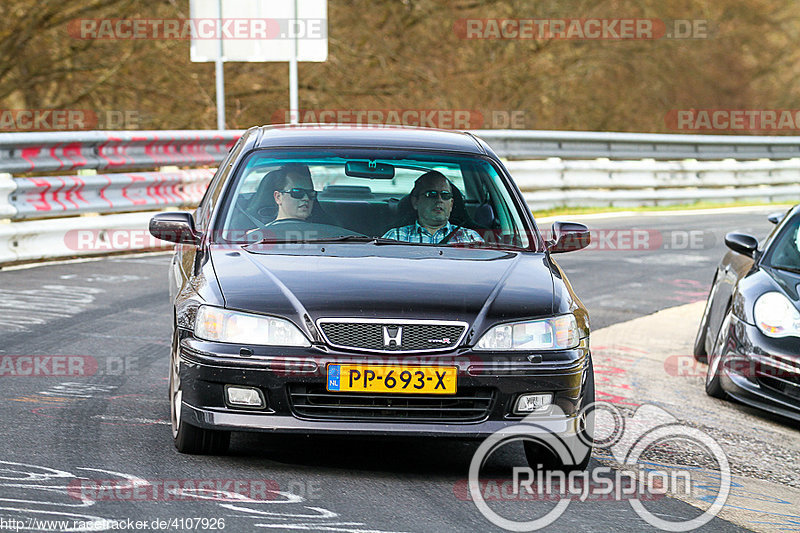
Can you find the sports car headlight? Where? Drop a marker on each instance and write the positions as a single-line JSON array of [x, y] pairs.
[[557, 333], [221, 325], [776, 316]]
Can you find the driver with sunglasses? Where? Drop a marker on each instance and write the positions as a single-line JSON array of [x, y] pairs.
[[295, 194], [432, 199]]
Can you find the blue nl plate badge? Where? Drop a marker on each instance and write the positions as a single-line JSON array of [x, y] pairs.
[[334, 373]]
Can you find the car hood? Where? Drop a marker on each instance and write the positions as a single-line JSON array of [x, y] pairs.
[[385, 281], [789, 282]]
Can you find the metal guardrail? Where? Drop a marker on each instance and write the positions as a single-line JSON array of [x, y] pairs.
[[527, 144], [105, 193], [552, 168], [580, 183], [114, 150], [119, 150], [37, 240]]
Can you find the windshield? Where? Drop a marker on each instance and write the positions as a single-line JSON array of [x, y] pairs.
[[382, 196], [785, 252]]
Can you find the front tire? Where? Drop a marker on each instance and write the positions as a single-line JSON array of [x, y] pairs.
[[187, 438], [580, 445], [716, 360], [702, 332]]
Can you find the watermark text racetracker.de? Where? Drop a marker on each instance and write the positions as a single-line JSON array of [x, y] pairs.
[[642, 239], [67, 119], [632, 477], [48, 366], [733, 120], [752, 367], [581, 28], [165, 490], [111, 524], [198, 28], [448, 119], [615, 240]]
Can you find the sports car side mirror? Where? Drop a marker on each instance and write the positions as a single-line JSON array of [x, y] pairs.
[[742, 243], [569, 236], [775, 218], [176, 227]]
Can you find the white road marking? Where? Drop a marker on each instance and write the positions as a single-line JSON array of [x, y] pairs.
[[113, 418], [326, 527], [20, 309], [105, 278], [26, 476], [89, 260], [322, 513], [669, 259], [78, 390], [676, 213]]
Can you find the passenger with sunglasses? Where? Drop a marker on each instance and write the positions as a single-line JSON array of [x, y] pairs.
[[432, 199]]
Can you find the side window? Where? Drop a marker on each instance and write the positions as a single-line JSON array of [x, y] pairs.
[[202, 215]]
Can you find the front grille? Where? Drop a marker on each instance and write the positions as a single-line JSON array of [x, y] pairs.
[[314, 401], [790, 388], [779, 374], [377, 336]]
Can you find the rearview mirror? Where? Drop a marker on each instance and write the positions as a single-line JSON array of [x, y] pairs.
[[742, 243], [369, 169], [177, 226], [568, 237]]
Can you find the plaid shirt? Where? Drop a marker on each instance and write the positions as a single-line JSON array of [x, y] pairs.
[[416, 233]]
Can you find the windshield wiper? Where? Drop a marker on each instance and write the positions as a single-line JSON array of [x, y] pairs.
[[356, 238], [794, 270], [341, 238]]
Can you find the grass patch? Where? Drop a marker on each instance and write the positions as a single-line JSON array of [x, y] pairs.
[[558, 211]]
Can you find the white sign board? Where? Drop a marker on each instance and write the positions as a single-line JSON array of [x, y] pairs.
[[259, 30]]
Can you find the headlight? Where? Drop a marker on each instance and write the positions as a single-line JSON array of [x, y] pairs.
[[221, 325], [776, 316], [557, 333]]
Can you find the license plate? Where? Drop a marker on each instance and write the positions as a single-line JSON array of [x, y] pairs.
[[389, 378]]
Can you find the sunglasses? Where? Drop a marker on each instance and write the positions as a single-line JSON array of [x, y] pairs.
[[298, 194], [431, 195]]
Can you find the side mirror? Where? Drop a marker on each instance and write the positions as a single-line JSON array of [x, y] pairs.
[[742, 243], [568, 237], [775, 218], [175, 227]]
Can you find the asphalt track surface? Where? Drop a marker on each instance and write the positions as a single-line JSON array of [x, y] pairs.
[[110, 422]]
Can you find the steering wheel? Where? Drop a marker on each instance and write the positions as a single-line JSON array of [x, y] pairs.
[[286, 221], [297, 227]]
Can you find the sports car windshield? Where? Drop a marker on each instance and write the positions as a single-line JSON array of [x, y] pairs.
[[369, 195], [785, 252]]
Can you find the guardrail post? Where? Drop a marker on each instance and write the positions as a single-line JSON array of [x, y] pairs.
[[7, 188]]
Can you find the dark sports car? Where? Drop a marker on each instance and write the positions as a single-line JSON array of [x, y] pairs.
[[750, 330], [382, 281]]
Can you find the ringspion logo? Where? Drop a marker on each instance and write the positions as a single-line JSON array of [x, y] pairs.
[[628, 439]]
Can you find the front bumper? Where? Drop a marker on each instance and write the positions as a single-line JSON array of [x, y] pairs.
[[206, 368], [761, 371]]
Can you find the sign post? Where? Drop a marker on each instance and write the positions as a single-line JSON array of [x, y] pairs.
[[294, 105], [259, 31], [220, 75]]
